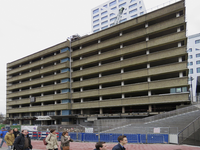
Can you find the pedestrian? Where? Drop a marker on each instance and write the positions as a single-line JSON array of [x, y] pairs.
[[23, 141], [16, 132], [65, 140], [101, 146], [122, 141], [3, 134], [10, 138], [52, 142]]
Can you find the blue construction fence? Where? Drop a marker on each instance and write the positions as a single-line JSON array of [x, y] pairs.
[[106, 137]]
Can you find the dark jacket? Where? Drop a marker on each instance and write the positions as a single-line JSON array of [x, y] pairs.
[[16, 133], [118, 147], [65, 141], [19, 142]]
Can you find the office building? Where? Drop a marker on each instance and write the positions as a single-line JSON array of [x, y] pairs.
[[138, 67]]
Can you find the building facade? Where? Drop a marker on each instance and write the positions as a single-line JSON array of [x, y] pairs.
[[104, 15], [136, 68], [193, 49]]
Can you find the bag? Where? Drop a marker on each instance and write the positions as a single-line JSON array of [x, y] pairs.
[[65, 147], [44, 141]]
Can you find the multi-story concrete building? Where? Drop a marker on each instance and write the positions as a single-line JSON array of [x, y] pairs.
[[193, 49], [138, 67], [104, 15]]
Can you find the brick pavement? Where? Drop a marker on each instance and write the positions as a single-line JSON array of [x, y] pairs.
[[38, 145]]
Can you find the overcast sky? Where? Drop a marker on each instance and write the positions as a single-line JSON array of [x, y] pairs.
[[28, 26]]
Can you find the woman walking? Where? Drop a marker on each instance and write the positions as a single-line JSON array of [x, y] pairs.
[[52, 140], [65, 140]]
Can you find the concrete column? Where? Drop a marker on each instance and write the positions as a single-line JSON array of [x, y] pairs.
[[20, 81], [179, 29], [55, 92], [42, 58], [43, 76], [120, 34], [55, 63], [42, 104], [149, 93], [30, 122], [81, 89], [30, 105], [122, 70], [11, 122], [30, 70], [101, 110], [99, 41], [42, 113], [180, 74], [179, 44], [30, 87], [72, 101], [147, 52], [100, 98], [146, 25], [81, 78], [99, 63], [30, 62], [55, 102], [20, 90], [149, 79], [100, 75], [30, 79], [123, 96], [72, 80], [71, 70], [80, 47], [180, 59], [20, 106], [54, 53], [42, 85], [20, 122], [81, 111], [55, 122], [121, 58], [71, 59], [99, 52], [20, 97], [148, 65], [42, 94], [81, 100], [56, 113], [121, 46], [123, 110], [55, 82], [147, 38], [42, 67], [177, 14], [122, 83], [100, 86], [150, 108], [72, 91], [81, 68]]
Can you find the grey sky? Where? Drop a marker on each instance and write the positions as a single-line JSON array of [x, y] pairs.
[[28, 26]]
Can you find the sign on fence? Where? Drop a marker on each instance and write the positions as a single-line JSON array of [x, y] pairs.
[[156, 130], [89, 130], [29, 128]]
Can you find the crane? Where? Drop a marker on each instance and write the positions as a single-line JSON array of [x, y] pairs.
[[119, 16]]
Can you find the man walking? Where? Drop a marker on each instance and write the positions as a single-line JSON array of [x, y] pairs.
[[122, 141], [101, 146], [23, 141], [10, 138], [3, 134]]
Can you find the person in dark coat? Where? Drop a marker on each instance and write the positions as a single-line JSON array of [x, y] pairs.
[[16, 132], [122, 141], [23, 141], [101, 146]]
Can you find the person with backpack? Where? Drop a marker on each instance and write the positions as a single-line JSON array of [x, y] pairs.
[[10, 138], [3, 134], [51, 140]]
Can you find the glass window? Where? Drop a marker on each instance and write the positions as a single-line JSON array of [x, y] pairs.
[[133, 5], [120, 0], [197, 41], [125, 13], [66, 101], [141, 13], [111, 24], [122, 20], [96, 21], [95, 26], [103, 18], [122, 5], [103, 13], [104, 22], [64, 60], [139, 2], [190, 56], [178, 90], [191, 71], [66, 112], [134, 16], [197, 55], [96, 11], [198, 62], [105, 6], [113, 8], [198, 70], [112, 14], [96, 30], [132, 11], [65, 90], [132, 1], [64, 50], [94, 17], [190, 50], [112, 3], [197, 49], [65, 70], [104, 27], [184, 89], [140, 7], [65, 80], [191, 63], [173, 90], [113, 19]]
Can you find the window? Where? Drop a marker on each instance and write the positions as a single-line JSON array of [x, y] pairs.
[[131, 6], [141, 13], [96, 21], [191, 71], [104, 27], [134, 16], [64, 60], [122, 20], [65, 90], [96, 11], [190, 56], [65, 101], [113, 19], [139, 2], [190, 63], [140, 7], [132, 11], [94, 17], [190, 50], [113, 8], [178, 90], [122, 5], [197, 41], [64, 50], [103, 13], [132, 1], [65, 70], [197, 49], [198, 62], [125, 13], [95, 26], [112, 14], [65, 80], [111, 24], [103, 18], [50, 113], [96, 30], [105, 6], [198, 55], [104, 22], [66, 112], [198, 70], [120, 0], [112, 3]]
